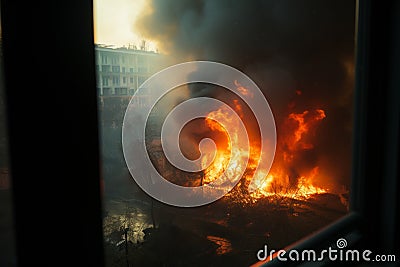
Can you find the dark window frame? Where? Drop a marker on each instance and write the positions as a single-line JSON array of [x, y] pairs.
[[56, 169], [53, 133]]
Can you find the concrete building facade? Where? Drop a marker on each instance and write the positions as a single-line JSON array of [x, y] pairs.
[[120, 71]]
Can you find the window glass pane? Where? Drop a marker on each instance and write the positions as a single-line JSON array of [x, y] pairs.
[[300, 54]]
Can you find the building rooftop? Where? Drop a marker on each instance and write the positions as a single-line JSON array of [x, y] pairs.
[[128, 48]]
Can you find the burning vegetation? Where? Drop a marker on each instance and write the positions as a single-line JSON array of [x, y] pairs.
[[284, 178], [294, 173]]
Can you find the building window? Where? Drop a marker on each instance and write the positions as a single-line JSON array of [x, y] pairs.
[[115, 80], [114, 60], [105, 68], [106, 91], [123, 69], [115, 69], [105, 81], [121, 91], [104, 59], [249, 229], [302, 175]]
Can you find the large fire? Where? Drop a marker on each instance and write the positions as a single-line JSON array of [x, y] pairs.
[[284, 179]]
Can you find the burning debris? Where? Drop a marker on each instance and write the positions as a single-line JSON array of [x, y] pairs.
[[224, 246], [284, 178], [295, 172]]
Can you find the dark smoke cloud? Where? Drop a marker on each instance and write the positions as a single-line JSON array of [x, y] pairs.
[[283, 46]]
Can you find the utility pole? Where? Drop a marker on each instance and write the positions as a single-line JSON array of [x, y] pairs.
[[152, 213], [126, 246]]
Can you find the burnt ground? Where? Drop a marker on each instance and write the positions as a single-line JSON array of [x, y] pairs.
[[225, 233]]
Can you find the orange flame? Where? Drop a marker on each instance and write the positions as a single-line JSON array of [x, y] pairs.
[[282, 181], [299, 130], [242, 90]]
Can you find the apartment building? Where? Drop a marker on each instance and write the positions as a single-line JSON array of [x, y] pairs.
[[120, 71]]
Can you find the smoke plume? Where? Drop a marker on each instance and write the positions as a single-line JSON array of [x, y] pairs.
[[300, 54]]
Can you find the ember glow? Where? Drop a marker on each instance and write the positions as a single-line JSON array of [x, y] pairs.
[[284, 179], [219, 166]]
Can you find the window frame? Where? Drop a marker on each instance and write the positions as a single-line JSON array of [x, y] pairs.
[[76, 220], [53, 132]]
